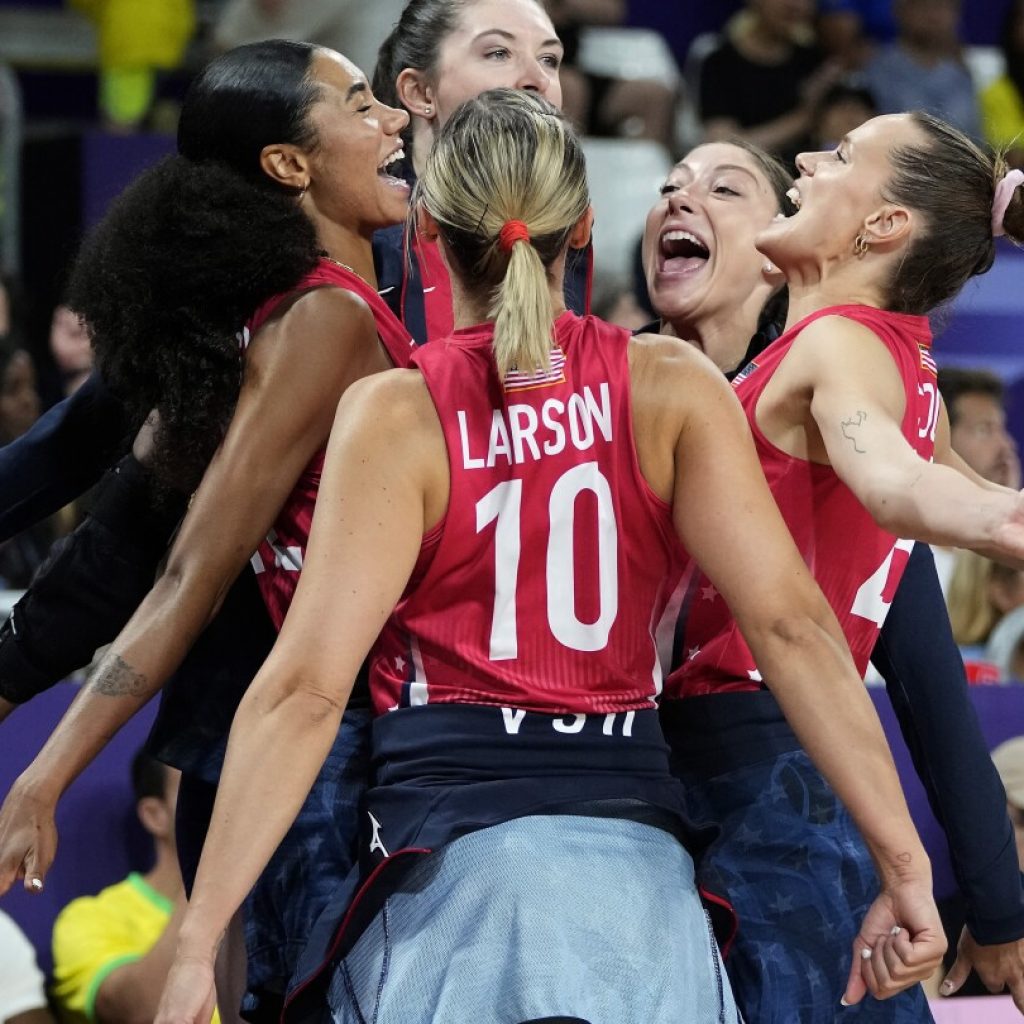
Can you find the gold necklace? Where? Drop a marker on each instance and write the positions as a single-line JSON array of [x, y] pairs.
[[344, 266]]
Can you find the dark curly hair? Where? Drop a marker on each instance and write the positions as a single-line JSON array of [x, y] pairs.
[[193, 247]]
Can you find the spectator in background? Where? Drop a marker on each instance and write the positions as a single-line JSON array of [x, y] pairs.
[[22, 997], [842, 108], [71, 350], [597, 104], [923, 68], [763, 82], [981, 593], [1005, 648], [111, 952], [1002, 101], [137, 41], [849, 30], [975, 402], [355, 28], [19, 409]]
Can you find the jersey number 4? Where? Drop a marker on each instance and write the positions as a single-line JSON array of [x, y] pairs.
[[503, 505]]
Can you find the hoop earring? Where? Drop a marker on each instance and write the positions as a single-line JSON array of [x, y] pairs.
[[860, 247]]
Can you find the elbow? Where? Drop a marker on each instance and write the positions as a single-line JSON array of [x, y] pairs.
[[795, 639], [889, 501]]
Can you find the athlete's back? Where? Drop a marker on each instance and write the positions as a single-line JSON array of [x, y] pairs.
[[543, 586]]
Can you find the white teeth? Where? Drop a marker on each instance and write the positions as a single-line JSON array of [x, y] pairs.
[[682, 236], [399, 154], [793, 195]]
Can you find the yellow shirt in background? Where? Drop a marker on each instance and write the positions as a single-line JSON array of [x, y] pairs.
[[1002, 112], [94, 935]]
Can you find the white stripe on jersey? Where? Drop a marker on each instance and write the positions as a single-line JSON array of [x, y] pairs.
[[418, 687]]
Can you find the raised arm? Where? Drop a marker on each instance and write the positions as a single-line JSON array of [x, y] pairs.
[[724, 511], [924, 677], [857, 403], [298, 367], [385, 479]]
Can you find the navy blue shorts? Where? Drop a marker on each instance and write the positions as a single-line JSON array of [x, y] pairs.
[[800, 879], [314, 858]]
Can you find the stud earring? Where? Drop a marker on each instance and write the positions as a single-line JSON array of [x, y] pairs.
[[427, 111], [769, 267]]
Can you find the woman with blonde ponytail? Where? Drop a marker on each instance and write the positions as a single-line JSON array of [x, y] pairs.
[[500, 528]]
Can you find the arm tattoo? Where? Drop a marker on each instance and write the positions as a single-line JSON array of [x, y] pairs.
[[116, 678], [850, 426]]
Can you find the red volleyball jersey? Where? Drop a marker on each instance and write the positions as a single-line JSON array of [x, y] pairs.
[[278, 559], [544, 587], [856, 563]]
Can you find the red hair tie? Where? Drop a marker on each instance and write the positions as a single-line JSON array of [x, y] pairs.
[[512, 231]]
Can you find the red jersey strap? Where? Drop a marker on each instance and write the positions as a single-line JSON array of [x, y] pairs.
[[394, 337]]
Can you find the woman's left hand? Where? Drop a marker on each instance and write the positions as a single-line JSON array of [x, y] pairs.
[[189, 995], [900, 943]]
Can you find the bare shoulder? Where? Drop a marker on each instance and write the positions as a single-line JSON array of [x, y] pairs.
[[837, 337], [660, 357], [324, 310], [393, 404], [835, 351]]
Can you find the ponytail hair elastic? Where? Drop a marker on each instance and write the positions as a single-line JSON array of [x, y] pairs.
[[1004, 193], [513, 231]]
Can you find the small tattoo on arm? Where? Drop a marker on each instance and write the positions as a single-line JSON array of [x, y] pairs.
[[849, 428], [116, 678]]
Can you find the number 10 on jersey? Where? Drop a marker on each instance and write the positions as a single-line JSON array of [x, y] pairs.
[[502, 505]]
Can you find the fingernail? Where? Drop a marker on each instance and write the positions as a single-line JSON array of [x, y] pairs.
[[946, 987], [36, 884], [843, 1002], [865, 954], [895, 930]]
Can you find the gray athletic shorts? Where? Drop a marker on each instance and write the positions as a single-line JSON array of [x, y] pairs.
[[546, 916]]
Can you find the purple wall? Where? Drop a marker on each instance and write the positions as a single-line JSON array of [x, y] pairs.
[[100, 838]]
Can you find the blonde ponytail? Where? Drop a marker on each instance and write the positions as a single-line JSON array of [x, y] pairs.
[[507, 157], [522, 313]]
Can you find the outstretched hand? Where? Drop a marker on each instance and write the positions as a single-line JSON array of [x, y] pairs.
[[28, 839], [998, 966], [900, 943]]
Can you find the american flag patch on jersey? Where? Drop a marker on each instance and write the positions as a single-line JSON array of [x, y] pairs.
[[555, 374], [927, 362], [744, 373]]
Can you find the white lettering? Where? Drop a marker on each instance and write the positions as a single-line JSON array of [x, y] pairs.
[[498, 443], [550, 409], [518, 434], [523, 432], [513, 718], [600, 414], [581, 427], [569, 726], [467, 460]]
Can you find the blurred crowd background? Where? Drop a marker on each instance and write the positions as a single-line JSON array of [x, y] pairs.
[[89, 94], [90, 89]]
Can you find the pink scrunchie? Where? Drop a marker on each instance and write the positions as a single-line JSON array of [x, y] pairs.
[[1004, 193]]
